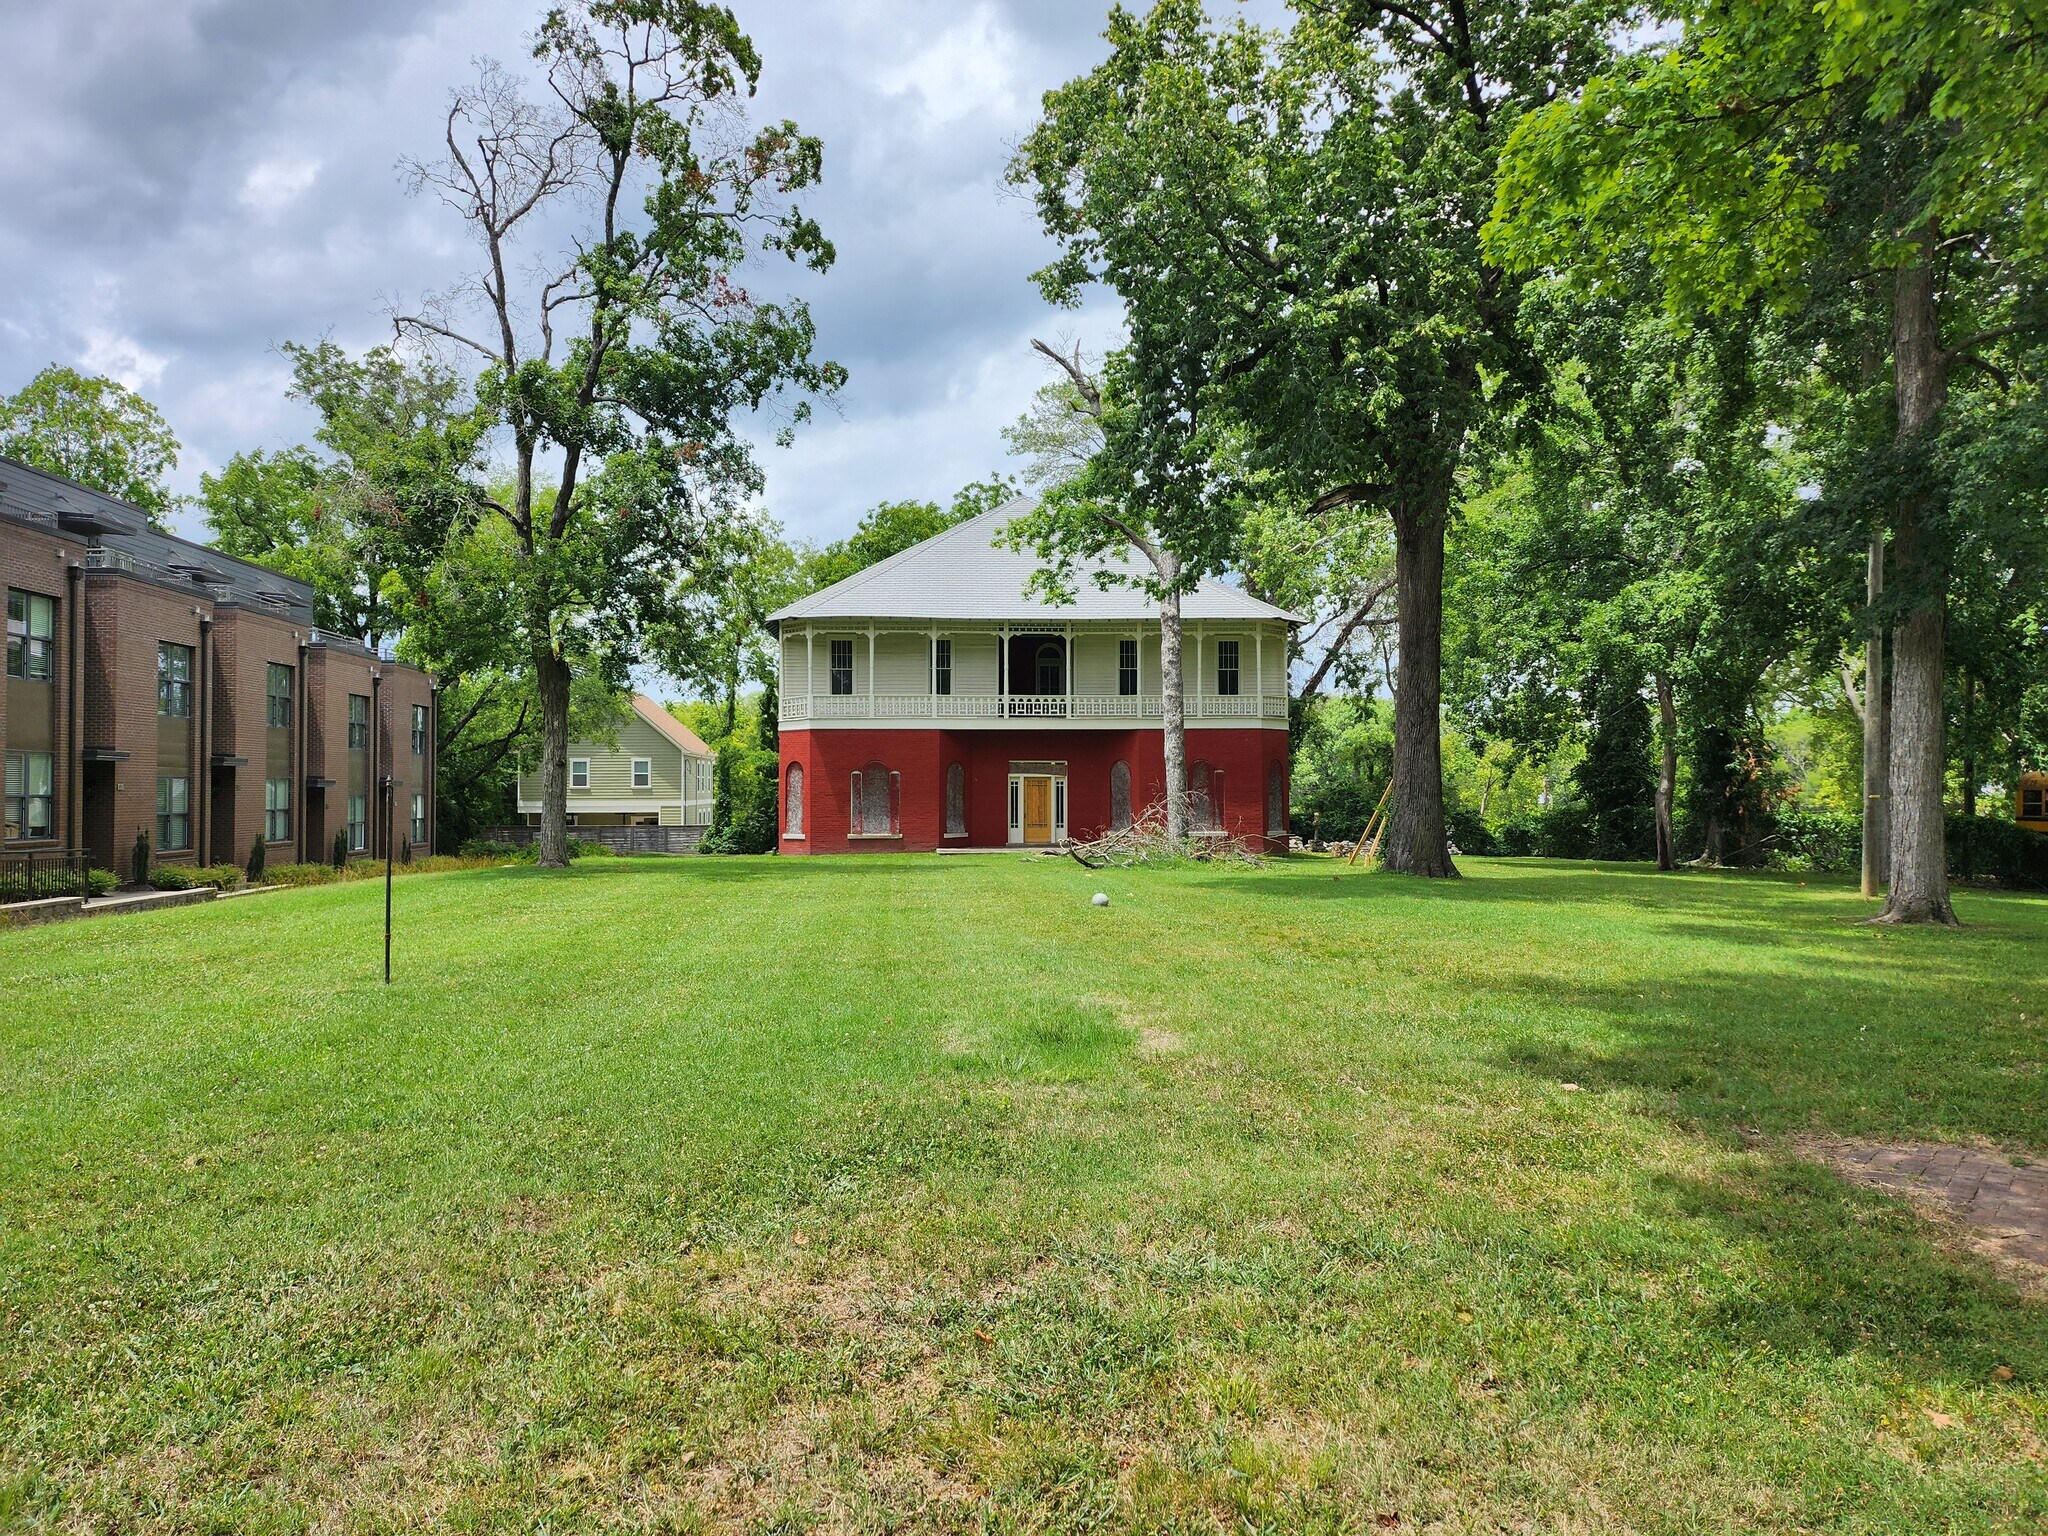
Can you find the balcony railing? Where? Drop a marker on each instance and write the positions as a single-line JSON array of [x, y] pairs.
[[1144, 707]]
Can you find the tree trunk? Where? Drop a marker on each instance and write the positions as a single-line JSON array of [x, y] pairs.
[[1173, 708], [1415, 843], [551, 676], [1667, 771], [1876, 734], [1919, 856]]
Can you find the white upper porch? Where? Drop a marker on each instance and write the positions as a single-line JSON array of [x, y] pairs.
[[951, 630]]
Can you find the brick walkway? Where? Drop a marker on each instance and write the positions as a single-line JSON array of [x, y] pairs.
[[2002, 1207]]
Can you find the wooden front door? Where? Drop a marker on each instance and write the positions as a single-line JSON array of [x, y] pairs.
[[1037, 810]]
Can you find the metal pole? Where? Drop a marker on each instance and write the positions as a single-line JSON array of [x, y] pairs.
[[387, 879]]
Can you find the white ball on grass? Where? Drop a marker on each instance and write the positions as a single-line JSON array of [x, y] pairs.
[[1100, 899]]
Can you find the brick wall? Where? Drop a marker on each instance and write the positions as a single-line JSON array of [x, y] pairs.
[[246, 645], [126, 619], [1244, 757]]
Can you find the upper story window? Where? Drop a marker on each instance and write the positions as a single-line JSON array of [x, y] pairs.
[[1226, 668], [2034, 802], [1051, 673], [419, 733], [842, 666], [358, 722], [1127, 667], [643, 773], [579, 773], [31, 636], [174, 680], [942, 666], [278, 694]]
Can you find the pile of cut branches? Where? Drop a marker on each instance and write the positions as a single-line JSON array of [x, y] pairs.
[[1145, 841]]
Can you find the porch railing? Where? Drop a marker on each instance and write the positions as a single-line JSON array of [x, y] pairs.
[[41, 875]]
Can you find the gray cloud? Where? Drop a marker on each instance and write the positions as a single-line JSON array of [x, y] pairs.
[[191, 183]]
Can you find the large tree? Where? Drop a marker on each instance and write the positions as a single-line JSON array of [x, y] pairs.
[[1293, 225], [368, 512], [622, 365], [1750, 157], [92, 430]]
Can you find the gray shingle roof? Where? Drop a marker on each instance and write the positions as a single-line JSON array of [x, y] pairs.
[[964, 573]]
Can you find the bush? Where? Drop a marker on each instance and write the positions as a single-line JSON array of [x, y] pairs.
[[1982, 849], [1824, 841], [743, 801], [101, 882], [484, 848], [339, 856], [1560, 831], [258, 852], [1469, 834], [303, 874], [138, 860], [186, 877]]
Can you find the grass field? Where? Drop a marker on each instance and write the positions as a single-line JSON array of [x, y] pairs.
[[920, 1195]]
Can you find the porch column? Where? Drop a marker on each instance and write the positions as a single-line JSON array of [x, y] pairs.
[[1259, 662], [932, 681], [871, 671], [1067, 671], [810, 681], [1003, 670], [1197, 710]]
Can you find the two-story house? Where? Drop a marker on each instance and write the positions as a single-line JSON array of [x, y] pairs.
[[934, 700]]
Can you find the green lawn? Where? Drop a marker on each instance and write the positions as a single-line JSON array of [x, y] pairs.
[[919, 1195]]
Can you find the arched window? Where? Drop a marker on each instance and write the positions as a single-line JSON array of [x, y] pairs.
[[793, 803], [1119, 796], [874, 802], [1276, 802], [1204, 813], [956, 801], [1051, 669]]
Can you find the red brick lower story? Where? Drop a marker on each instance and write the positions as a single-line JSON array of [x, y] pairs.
[[906, 808]]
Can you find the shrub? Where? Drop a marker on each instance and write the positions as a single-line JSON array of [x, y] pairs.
[[303, 874], [339, 857], [484, 848], [1980, 848], [138, 860], [1560, 831], [186, 877], [743, 801], [1825, 841], [101, 882], [258, 851], [1469, 834]]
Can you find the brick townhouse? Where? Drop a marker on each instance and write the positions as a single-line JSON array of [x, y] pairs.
[[157, 688]]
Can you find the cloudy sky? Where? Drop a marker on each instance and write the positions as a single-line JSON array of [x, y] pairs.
[[191, 182]]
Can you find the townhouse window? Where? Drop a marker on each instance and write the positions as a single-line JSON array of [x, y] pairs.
[[31, 636], [1127, 668], [359, 722], [942, 667], [277, 810], [30, 798], [1226, 668], [174, 680], [2034, 803], [278, 694], [842, 666], [419, 818], [579, 773], [419, 733], [173, 814], [358, 823], [643, 773]]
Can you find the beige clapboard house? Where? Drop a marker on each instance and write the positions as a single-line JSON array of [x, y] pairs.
[[656, 774]]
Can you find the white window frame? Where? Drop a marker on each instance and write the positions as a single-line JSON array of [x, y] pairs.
[[643, 773], [583, 764], [1059, 806]]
